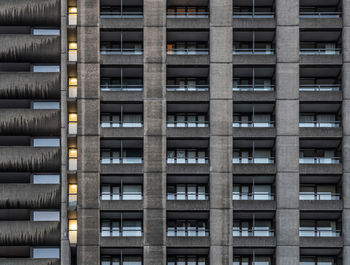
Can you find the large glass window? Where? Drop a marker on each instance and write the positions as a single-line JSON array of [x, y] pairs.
[[46, 142], [46, 216], [46, 253], [46, 179], [46, 105], [46, 68]]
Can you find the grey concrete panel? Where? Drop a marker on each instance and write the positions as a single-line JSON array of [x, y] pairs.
[[220, 13], [88, 117], [88, 255], [88, 81], [287, 227], [154, 39], [287, 43], [287, 153], [220, 190], [154, 80], [287, 190], [154, 190], [88, 195], [221, 117], [287, 81], [88, 153], [222, 255], [220, 227], [220, 81], [287, 12], [287, 255], [154, 227], [89, 227], [287, 117], [221, 44], [220, 154], [88, 44]]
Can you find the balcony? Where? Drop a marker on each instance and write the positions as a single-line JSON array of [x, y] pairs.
[[259, 9], [319, 196], [187, 12], [254, 232], [15, 85], [320, 124], [31, 122], [320, 14], [112, 157], [32, 196], [253, 196], [320, 51], [121, 192], [27, 158], [320, 87], [29, 233], [187, 51], [29, 261], [253, 51], [29, 48], [318, 232], [253, 160], [120, 9], [253, 87], [37, 12], [319, 160]]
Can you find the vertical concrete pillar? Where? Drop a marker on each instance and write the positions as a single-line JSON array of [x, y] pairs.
[[287, 131], [346, 131], [65, 248], [220, 157], [154, 150], [88, 132]]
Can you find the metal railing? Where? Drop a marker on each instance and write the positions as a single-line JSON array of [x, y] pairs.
[[319, 160], [187, 160], [187, 87], [329, 14], [319, 51], [184, 196], [121, 14], [253, 51], [318, 124], [253, 196], [121, 51], [110, 196], [121, 87], [318, 232], [121, 124], [194, 51], [122, 160], [256, 231], [187, 14], [253, 160], [120, 232], [319, 196], [321, 87], [255, 14], [187, 231], [253, 88], [187, 124], [253, 124]]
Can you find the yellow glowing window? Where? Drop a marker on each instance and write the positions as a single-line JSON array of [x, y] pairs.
[[73, 153], [73, 81], [73, 117], [73, 225], [73, 189], [72, 10], [72, 46], [170, 48]]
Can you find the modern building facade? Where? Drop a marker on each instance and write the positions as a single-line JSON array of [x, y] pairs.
[[175, 132]]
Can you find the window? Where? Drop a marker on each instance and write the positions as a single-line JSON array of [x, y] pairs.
[[252, 192], [317, 261], [129, 192], [46, 32], [46, 68], [46, 179], [187, 260], [46, 216], [122, 260], [187, 192], [187, 228], [46, 142], [121, 228], [46, 253], [46, 105]]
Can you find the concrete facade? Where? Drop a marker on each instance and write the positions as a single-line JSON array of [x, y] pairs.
[[204, 132]]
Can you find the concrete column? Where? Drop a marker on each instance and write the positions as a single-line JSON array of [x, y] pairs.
[[220, 157], [154, 150], [287, 131], [65, 248], [88, 132], [346, 131]]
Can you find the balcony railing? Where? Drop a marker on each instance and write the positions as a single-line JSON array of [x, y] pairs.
[[253, 160], [121, 160], [187, 124], [319, 196], [253, 88], [256, 231], [125, 124], [187, 14], [121, 87], [122, 51], [190, 51], [253, 124], [253, 14], [319, 51], [187, 87], [187, 160], [316, 87], [318, 124], [318, 232], [110, 196], [319, 160], [330, 14], [187, 231], [121, 14], [253, 51], [190, 196], [117, 232], [254, 196]]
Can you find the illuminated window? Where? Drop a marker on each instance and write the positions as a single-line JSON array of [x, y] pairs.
[[73, 230], [72, 16], [73, 51], [73, 87], [72, 123], [73, 159], [72, 195]]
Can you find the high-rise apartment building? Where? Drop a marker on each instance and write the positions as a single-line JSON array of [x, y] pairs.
[[174, 132]]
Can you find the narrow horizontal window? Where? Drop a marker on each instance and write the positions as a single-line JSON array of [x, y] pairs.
[[46, 68], [46, 216], [46, 179], [55, 32], [46, 105], [46, 253], [46, 142]]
